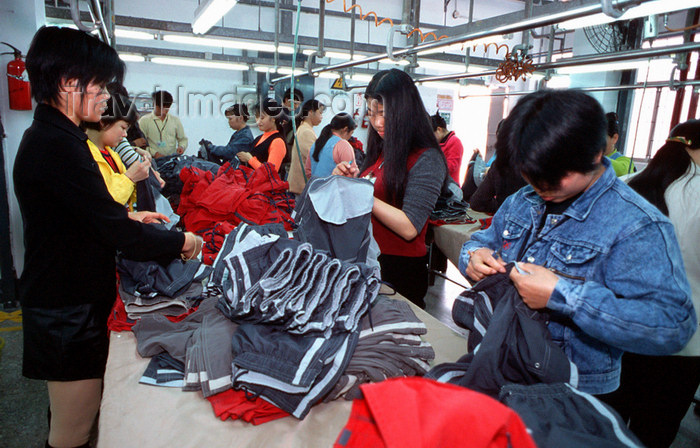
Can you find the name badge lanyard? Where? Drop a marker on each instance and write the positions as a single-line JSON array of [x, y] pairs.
[[160, 130]]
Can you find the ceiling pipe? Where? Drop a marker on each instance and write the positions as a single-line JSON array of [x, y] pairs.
[[648, 85], [525, 24], [583, 60]]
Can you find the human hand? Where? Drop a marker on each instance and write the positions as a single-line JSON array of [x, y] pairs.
[[536, 285], [347, 169], [192, 247], [157, 155], [482, 263], [138, 171], [244, 156], [148, 217], [180, 149], [159, 179], [144, 154]]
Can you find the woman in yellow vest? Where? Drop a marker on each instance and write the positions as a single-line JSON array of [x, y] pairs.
[[116, 119]]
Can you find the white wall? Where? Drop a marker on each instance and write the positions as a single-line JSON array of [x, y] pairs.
[[19, 20], [201, 96]]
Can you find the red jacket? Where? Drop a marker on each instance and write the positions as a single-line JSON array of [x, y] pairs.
[[453, 149]]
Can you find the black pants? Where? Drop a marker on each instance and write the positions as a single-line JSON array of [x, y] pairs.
[[654, 395], [408, 275]]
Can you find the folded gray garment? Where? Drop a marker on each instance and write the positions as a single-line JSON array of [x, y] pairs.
[[156, 334], [137, 306], [390, 347]]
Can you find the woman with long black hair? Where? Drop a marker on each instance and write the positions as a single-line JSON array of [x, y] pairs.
[[656, 391], [332, 147], [408, 168], [269, 146]]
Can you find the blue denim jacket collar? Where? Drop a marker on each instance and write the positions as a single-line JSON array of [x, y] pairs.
[[582, 206]]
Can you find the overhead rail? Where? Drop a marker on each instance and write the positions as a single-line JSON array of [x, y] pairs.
[[641, 85], [522, 25], [583, 60]]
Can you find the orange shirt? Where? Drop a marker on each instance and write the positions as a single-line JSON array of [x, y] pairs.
[[277, 151]]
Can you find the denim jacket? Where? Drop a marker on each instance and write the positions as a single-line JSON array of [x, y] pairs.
[[622, 285]]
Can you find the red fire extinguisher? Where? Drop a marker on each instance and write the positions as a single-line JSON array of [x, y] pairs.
[[18, 82]]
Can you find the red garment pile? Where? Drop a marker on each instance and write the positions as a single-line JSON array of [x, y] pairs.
[[234, 196], [419, 412], [234, 404]]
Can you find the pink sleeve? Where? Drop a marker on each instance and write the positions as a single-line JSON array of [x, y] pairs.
[[343, 152]]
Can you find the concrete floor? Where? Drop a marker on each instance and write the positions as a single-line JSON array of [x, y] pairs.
[[23, 402]]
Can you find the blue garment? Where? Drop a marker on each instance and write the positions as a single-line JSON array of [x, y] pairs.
[[324, 166], [622, 285], [241, 140]]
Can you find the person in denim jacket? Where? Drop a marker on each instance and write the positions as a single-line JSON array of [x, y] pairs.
[[598, 257]]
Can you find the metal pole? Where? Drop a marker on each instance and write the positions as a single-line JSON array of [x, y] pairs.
[[584, 60], [321, 26], [649, 85], [525, 24]]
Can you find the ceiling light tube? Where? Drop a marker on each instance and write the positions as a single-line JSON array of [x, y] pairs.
[[335, 55], [130, 57], [606, 67], [361, 77], [643, 10], [133, 34], [210, 12], [199, 63]]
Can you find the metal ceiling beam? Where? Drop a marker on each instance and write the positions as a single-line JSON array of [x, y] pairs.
[[585, 60], [309, 10], [547, 15], [235, 33]]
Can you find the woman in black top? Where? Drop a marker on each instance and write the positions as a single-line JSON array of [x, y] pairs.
[[73, 229]]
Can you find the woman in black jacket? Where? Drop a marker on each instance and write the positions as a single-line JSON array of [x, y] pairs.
[[73, 229]]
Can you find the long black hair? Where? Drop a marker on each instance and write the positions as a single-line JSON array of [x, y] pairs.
[[308, 107], [339, 122], [407, 129], [669, 163], [58, 54]]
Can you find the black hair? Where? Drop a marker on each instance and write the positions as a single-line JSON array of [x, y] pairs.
[[306, 108], [339, 122], [118, 108], [60, 54], [162, 98], [239, 110], [298, 96], [407, 129], [613, 124], [669, 163], [551, 133], [272, 108], [438, 121]]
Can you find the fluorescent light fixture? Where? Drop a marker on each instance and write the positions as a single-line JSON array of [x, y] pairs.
[[200, 63], [360, 77], [288, 71], [129, 57], [210, 12], [462, 47], [559, 82], [441, 85], [132, 34], [225, 43], [470, 89], [263, 69], [336, 55], [605, 67], [449, 67], [390, 62], [643, 10], [329, 75]]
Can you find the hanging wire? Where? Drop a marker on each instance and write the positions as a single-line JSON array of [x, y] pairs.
[[378, 22], [291, 90]]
